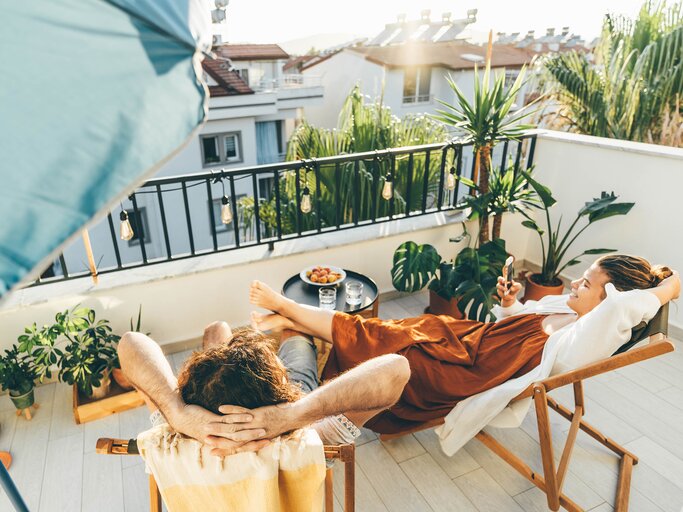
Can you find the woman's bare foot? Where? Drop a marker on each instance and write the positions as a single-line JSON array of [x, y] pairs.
[[273, 322], [263, 296]]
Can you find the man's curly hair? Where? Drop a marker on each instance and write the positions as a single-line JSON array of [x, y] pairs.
[[244, 372]]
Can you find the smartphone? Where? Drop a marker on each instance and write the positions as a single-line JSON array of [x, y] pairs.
[[508, 273]]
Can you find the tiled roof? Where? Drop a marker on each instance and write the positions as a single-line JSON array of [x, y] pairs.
[[229, 82], [298, 62], [251, 51], [451, 55]]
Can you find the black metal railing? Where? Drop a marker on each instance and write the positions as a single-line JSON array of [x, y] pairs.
[[346, 191]]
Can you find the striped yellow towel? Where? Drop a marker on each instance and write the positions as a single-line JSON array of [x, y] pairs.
[[286, 476]]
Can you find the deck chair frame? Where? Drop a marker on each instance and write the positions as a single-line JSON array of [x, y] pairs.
[[344, 452], [552, 479]]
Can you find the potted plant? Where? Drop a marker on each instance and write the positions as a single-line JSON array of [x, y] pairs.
[[464, 286], [555, 244], [17, 376], [82, 348]]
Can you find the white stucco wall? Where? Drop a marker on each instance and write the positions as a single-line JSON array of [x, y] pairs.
[[338, 75], [578, 167]]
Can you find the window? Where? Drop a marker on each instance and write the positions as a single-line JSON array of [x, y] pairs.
[[510, 77], [416, 85], [222, 148], [216, 206], [138, 221], [244, 73]]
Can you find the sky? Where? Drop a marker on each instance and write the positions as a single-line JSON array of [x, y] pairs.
[[278, 21]]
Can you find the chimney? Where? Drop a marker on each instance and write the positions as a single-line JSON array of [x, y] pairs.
[[401, 18], [446, 17], [472, 14], [565, 31], [550, 32], [531, 33], [424, 14]]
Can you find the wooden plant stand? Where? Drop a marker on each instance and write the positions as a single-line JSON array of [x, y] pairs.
[[118, 400], [27, 411]]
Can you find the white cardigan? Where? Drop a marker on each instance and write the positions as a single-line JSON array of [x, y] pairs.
[[594, 336]]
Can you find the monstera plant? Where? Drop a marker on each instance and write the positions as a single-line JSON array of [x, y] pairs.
[[469, 280]]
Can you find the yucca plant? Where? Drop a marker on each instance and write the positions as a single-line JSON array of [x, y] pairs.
[[630, 88], [485, 120]]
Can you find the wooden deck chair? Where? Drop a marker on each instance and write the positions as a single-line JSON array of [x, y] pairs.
[[552, 479], [344, 452]]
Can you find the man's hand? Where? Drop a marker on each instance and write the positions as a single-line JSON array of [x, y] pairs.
[[209, 428], [508, 296], [272, 420]]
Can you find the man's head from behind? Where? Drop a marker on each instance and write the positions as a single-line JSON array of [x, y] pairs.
[[244, 372]]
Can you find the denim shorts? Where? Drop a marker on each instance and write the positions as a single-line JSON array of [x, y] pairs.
[[299, 356]]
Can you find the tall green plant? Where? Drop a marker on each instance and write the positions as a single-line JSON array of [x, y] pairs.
[[631, 86], [555, 243], [484, 121]]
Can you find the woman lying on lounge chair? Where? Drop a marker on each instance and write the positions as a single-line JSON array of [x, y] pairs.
[[477, 366]]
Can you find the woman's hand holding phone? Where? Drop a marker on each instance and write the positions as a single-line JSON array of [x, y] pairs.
[[507, 291]]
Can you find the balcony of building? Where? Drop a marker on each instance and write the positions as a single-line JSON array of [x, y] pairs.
[[187, 268]]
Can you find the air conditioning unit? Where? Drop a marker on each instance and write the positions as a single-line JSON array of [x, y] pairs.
[[217, 15], [217, 40]]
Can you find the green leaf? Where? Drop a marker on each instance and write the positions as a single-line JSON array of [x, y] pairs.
[[414, 266], [598, 251]]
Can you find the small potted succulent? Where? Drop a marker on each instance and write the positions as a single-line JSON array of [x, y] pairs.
[[17, 376], [555, 244]]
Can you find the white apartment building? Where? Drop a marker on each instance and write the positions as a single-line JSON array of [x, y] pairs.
[[253, 109]]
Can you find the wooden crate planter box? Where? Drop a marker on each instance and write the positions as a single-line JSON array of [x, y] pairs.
[[118, 400]]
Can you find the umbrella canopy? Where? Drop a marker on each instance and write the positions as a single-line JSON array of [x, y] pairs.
[[94, 96]]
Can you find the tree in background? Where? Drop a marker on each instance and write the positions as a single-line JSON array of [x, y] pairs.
[[632, 86], [362, 126]]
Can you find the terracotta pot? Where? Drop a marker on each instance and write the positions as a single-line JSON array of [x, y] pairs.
[[535, 291], [121, 379], [440, 306], [103, 389]]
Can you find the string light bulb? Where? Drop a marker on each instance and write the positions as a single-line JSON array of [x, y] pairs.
[[126, 230], [306, 201], [388, 188], [226, 210], [450, 179]]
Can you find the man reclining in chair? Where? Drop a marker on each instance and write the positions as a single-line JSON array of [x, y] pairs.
[[467, 371], [241, 370]]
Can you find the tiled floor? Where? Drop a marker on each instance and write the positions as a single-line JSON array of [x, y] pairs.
[[56, 467]]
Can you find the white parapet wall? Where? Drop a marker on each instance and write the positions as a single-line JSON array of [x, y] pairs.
[[179, 298], [578, 167]]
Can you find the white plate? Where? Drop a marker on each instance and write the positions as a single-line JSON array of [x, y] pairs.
[[338, 270]]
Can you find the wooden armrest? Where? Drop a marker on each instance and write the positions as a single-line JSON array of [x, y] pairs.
[[343, 452], [658, 345]]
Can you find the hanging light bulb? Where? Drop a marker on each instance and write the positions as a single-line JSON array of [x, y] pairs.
[[450, 179], [388, 189], [127, 232], [306, 201], [226, 211]]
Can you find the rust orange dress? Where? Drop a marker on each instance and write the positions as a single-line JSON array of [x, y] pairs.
[[450, 359]]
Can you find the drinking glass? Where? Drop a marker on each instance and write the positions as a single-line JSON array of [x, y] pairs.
[[327, 298], [354, 293]]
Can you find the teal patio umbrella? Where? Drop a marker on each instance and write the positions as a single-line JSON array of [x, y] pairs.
[[94, 96]]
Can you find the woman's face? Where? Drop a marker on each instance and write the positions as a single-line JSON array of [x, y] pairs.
[[588, 291]]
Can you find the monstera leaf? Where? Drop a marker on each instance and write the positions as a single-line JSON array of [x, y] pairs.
[[476, 271], [414, 266]]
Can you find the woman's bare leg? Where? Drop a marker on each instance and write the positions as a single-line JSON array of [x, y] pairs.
[[309, 319], [276, 322]]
